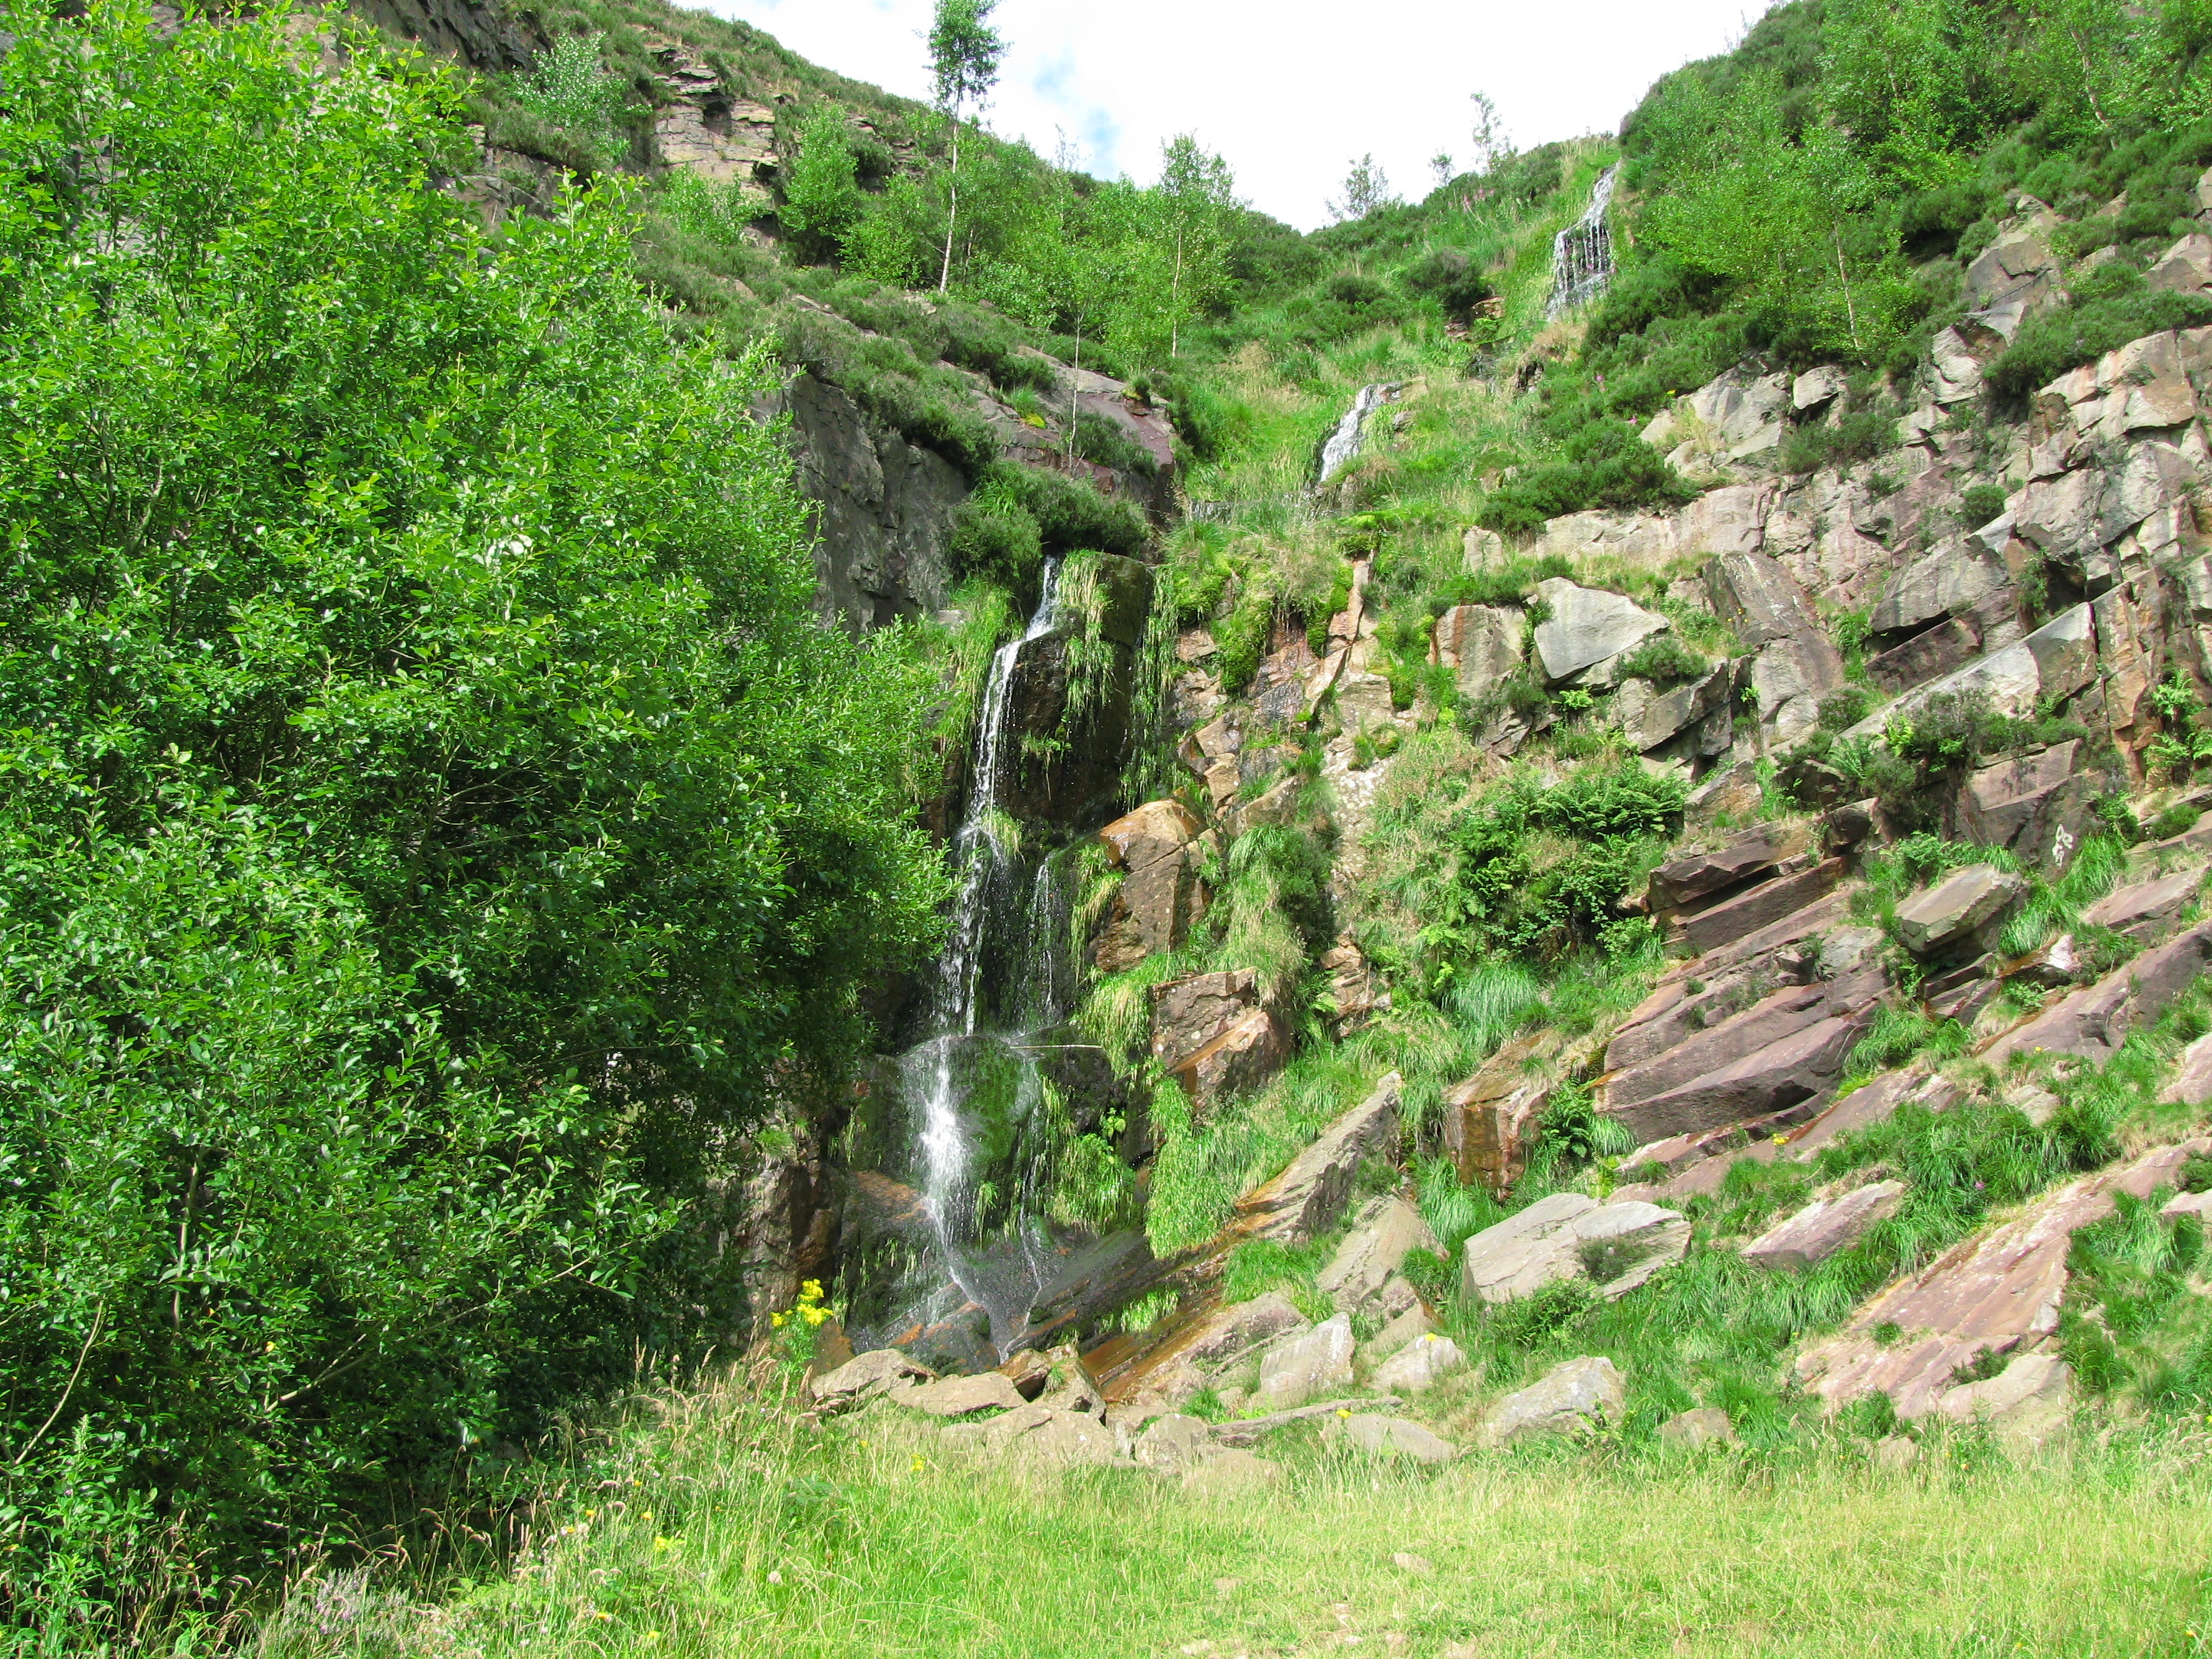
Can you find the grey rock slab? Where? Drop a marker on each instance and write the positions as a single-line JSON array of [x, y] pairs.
[[1954, 579], [1387, 1437], [1703, 1426], [1407, 1326], [1521, 1253], [1237, 1327], [2027, 1406], [1568, 1235], [1581, 1394], [958, 1396], [864, 1376], [1313, 1362], [2056, 660], [1246, 1429], [1420, 1364], [1587, 626], [1070, 1438], [1963, 902], [1382, 1231], [1308, 1197], [1174, 1441], [1820, 1229], [2191, 1083]]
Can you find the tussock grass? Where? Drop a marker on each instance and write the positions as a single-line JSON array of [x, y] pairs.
[[725, 1529]]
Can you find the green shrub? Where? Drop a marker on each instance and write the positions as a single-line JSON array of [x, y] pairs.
[[1663, 660], [569, 88], [2112, 306], [1979, 504], [993, 536], [1604, 464], [821, 184], [1070, 514], [1102, 439]]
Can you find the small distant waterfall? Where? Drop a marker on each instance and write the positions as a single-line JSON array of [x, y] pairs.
[[1343, 444], [1582, 254]]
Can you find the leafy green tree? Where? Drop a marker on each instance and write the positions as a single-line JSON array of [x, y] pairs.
[[1195, 201], [964, 52], [822, 187], [434, 822], [1366, 187], [569, 88]]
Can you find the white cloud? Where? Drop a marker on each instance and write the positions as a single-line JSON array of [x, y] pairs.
[[1290, 93]]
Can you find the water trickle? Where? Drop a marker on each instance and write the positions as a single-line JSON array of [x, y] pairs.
[[1582, 254], [1342, 446]]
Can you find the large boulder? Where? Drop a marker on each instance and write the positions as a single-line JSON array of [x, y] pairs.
[[2057, 660], [1297, 1367], [1779, 1014], [1735, 416], [1953, 912], [1826, 1226], [2035, 805], [1247, 1054], [1587, 626], [1308, 1197], [1384, 1230], [1617, 1247], [1189, 1013], [1690, 877], [1797, 664], [1387, 1437], [958, 1396], [1482, 644], [1582, 1393]]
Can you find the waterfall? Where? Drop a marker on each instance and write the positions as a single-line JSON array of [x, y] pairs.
[[1582, 254], [939, 1074], [1342, 446]]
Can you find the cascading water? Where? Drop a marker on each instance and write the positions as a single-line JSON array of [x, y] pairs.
[[1582, 254], [1342, 446], [939, 1075]]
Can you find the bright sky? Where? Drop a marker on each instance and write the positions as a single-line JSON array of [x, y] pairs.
[[1290, 91]]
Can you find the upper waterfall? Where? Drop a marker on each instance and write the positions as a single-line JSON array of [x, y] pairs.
[[1582, 254]]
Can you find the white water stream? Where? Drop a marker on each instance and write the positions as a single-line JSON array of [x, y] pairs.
[[1582, 254], [933, 1075]]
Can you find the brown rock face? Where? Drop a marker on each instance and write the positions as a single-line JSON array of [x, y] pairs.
[[1988, 1294], [1781, 1014], [1245, 1055], [1758, 907], [1694, 876], [1307, 1197], [1873, 1102], [1797, 1069], [2094, 1021], [1190, 1013], [1160, 895], [1820, 1229], [2143, 910], [1951, 913], [1489, 1121]]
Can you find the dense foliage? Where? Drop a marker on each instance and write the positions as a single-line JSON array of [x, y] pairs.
[[434, 819]]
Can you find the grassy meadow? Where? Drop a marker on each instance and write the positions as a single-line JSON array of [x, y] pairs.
[[723, 1526]]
